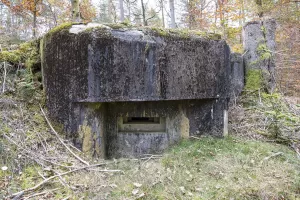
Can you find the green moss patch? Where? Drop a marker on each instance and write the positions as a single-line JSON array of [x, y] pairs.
[[64, 26], [263, 52], [27, 54], [254, 79], [118, 25], [182, 33]]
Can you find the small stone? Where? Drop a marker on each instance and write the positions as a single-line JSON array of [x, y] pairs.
[[4, 168], [135, 191], [182, 189], [113, 185], [141, 195], [137, 185]]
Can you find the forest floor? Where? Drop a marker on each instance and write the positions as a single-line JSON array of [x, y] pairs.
[[35, 164]]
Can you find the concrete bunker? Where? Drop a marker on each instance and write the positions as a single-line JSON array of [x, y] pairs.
[[127, 92]]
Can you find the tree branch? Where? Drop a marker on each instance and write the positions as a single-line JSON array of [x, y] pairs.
[[56, 134]]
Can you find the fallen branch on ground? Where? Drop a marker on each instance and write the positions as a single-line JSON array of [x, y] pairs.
[[41, 193], [33, 156], [56, 134], [194, 137], [56, 176], [272, 156]]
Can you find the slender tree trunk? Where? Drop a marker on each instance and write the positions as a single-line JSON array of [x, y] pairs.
[[8, 22], [297, 7], [75, 11], [34, 19], [1, 14], [144, 13], [243, 12], [52, 9], [162, 13], [121, 10], [172, 13], [190, 15], [216, 13], [4, 77], [129, 11], [34, 25]]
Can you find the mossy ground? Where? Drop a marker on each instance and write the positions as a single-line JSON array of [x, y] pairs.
[[209, 168]]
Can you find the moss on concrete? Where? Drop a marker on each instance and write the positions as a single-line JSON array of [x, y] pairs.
[[157, 31], [182, 33], [118, 25], [254, 79], [64, 26], [184, 127], [264, 52], [101, 31], [94, 106], [86, 136], [160, 31]]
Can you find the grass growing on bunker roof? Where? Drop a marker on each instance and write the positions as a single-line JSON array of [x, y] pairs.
[[182, 33]]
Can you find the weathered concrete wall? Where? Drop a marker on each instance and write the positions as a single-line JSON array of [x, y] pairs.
[[111, 65], [259, 44], [183, 119], [237, 74], [88, 122], [93, 76], [98, 133]]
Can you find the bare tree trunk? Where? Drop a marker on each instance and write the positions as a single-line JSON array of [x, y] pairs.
[[121, 10], [34, 25], [52, 9], [191, 16], [297, 7], [34, 19], [75, 11], [162, 13], [216, 13], [243, 12], [4, 77], [144, 13], [1, 14], [8, 22], [129, 10], [172, 13]]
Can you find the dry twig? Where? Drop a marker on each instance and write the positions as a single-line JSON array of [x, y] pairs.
[[56, 176], [272, 156], [56, 134], [41, 193]]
